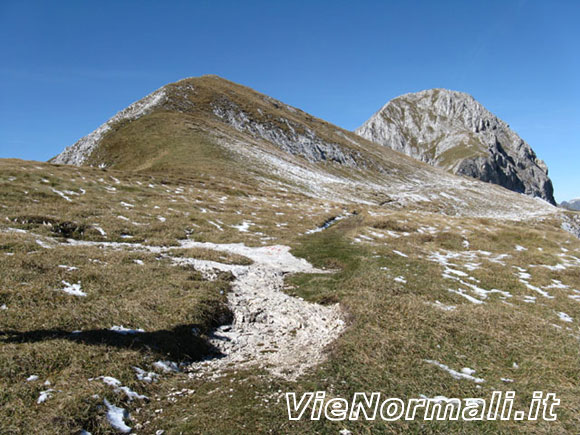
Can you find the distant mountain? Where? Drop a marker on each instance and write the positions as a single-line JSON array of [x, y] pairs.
[[573, 204], [453, 131]]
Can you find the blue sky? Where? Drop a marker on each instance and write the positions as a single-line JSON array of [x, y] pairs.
[[66, 67]]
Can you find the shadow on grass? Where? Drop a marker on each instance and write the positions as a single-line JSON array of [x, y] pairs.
[[178, 344]]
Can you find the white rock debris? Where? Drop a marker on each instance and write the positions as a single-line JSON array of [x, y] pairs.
[[284, 334], [166, 366]]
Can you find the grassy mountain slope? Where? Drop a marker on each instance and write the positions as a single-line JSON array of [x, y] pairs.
[[213, 126], [425, 266], [394, 325]]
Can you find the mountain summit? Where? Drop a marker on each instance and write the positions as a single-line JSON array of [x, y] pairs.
[[209, 125], [453, 131]]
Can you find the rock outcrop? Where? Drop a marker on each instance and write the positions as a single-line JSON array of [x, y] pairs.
[[452, 130]]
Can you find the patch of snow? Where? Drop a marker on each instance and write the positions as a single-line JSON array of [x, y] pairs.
[[466, 296], [100, 230], [455, 272], [558, 285], [536, 289], [73, 289], [218, 226], [326, 224], [61, 194], [444, 307], [564, 317], [507, 380], [243, 227], [400, 253], [119, 388], [116, 417], [45, 395], [126, 331], [43, 244], [465, 373], [145, 376]]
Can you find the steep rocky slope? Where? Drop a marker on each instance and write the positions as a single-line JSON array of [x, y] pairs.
[[453, 131]]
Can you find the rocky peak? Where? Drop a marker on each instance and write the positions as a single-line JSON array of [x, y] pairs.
[[452, 130]]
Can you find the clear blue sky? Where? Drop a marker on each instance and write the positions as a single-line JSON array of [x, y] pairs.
[[66, 67]]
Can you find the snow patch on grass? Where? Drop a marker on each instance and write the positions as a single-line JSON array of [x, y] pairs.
[[465, 373]]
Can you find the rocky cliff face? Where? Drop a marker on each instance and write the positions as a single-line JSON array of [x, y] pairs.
[[452, 130]]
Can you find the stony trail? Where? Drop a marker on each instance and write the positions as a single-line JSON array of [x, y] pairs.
[[284, 334]]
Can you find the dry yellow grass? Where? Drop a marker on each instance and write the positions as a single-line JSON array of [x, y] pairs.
[[393, 326]]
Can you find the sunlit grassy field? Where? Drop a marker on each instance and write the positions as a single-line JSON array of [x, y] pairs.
[[406, 280]]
